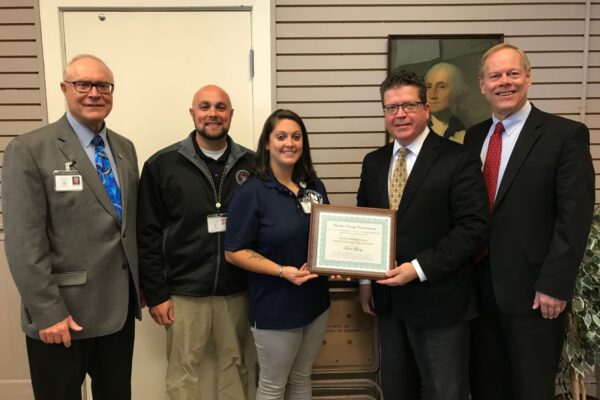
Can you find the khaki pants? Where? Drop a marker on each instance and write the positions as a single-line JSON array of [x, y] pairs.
[[197, 319]]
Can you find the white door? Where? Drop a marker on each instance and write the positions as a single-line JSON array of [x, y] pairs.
[[159, 59]]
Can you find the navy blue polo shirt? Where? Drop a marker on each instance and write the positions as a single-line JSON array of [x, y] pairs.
[[266, 216]]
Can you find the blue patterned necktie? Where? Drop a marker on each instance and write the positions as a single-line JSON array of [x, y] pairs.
[[105, 173]]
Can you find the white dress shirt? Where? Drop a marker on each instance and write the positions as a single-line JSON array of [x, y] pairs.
[[513, 124], [411, 157], [85, 136]]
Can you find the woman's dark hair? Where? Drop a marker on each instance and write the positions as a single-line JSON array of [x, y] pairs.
[[303, 169]]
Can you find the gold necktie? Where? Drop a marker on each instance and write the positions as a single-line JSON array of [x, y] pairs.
[[399, 177]]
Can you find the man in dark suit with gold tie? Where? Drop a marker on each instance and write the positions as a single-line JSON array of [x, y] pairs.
[[424, 306], [540, 182], [69, 198]]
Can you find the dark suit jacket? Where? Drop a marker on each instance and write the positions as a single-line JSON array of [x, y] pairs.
[[67, 252], [542, 212], [441, 221]]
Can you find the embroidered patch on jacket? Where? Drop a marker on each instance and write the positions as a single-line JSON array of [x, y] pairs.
[[242, 176]]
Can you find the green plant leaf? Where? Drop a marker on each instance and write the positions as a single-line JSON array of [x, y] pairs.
[[582, 345]]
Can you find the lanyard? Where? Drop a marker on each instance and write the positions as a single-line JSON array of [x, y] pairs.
[[212, 183]]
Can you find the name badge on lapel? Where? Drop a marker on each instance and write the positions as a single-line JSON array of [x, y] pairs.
[[67, 180]]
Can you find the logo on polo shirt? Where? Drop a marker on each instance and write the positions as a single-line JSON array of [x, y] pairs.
[[312, 196], [242, 176]]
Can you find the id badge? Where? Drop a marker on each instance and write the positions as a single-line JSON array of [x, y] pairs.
[[216, 222], [306, 206], [310, 197], [67, 181]]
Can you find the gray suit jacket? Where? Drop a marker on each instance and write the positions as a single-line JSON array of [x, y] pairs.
[[67, 252]]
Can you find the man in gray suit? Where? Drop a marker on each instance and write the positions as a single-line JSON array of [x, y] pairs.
[[69, 198]]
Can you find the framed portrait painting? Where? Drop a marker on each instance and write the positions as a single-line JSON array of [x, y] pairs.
[[450, 66]]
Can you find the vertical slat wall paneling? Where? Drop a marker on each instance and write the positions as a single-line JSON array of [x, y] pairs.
[[592, 115], [22, 108], [22, 89], [332, 55]]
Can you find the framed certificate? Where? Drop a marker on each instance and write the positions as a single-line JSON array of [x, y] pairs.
[[352, 241]]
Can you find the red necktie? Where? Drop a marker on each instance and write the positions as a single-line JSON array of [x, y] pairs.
[[492, 163]]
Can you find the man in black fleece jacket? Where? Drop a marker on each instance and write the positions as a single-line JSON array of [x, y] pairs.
[[189, 287]]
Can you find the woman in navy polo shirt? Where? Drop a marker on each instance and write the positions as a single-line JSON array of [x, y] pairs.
[[267, 234]]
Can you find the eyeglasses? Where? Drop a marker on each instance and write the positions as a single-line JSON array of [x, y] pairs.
[[86, 87], [392, 109]]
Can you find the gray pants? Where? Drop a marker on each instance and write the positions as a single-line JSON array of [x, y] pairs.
[[286, 357]]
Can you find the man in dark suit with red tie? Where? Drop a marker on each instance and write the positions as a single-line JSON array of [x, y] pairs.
[[424, 306], [540, 181]]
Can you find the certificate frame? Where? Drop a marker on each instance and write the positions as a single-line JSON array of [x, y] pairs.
[[357, 242]]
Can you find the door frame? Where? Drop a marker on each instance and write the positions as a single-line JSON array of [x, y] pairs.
[[262, 26]]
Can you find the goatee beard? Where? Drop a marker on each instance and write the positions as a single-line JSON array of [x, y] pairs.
[[205, 135]]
